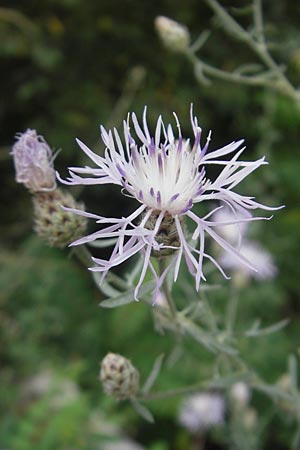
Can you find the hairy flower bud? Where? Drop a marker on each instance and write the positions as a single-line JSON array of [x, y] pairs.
[[173, 35], [33, 161], [55, 225], [166, 236], [118, 377]]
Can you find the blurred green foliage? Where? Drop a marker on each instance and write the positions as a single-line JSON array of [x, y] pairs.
[[68, 66]]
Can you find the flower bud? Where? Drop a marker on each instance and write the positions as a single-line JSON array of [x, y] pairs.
[[33, 161], [240, 395], [118, 377], [174, 36], [52, 223]]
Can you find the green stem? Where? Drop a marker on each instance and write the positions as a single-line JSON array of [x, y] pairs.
[[202, 385], [232, 310], [166, 290], [83, 254], [258, 46]]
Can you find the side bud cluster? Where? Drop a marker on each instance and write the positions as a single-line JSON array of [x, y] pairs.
[[119, 377], [174, 36], [33, 160]]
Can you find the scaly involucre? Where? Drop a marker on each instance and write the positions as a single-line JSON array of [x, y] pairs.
[[166, 174]]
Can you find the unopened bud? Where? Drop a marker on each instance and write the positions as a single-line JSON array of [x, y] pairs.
[[52, 223], [240, 395], [33, 161], [173, 35], [119, 377]]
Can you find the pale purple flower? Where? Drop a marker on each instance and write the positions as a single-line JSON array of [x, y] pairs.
[[235, 232], [260, 258], [166, 174], [202, 411], [33, 161]]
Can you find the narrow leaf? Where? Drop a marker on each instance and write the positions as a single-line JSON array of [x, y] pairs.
[[124, 298], [102, 243], [142, 411], [268, 330], [153, 374]]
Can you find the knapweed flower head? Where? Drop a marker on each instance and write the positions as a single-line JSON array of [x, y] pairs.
[[33, 161], [202, 411], [166, 175], [174, 36]]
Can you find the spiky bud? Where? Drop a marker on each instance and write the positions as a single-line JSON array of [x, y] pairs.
[[119, 377], [33, 160], [167, 235], [174, 36], [52, 223]]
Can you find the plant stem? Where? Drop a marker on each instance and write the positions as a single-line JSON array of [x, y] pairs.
[[202, 385], [166, 290], [83, 254]]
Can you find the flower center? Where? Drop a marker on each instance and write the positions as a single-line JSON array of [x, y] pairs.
[[165, 178]]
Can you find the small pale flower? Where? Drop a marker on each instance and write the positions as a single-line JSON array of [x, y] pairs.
[[202, 411], [166, 175], [259, 257], [33, 161], [174, 36]]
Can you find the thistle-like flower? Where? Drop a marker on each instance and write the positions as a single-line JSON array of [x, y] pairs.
[[167, 176]]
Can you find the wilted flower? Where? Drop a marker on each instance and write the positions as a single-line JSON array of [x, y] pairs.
[[167, 176], [119, 377], [202, 411], [33, 161], [260, 258], [174, 35]]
